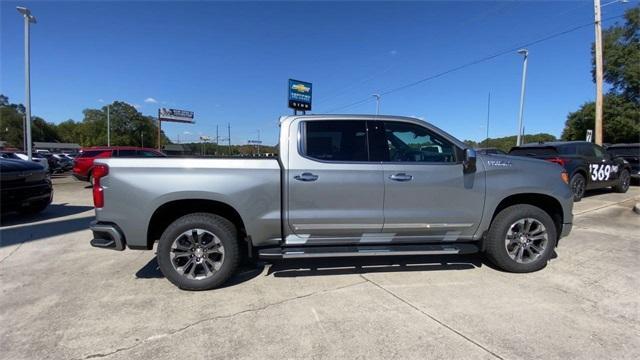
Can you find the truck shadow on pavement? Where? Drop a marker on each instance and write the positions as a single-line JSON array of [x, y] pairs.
[[53, 211], [365, 265], [244, 273], [331, 267], [39, 231]]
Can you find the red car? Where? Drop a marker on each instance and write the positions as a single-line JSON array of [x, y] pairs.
[[83, 163]]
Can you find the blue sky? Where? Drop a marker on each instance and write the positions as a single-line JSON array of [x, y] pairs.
[[229, 61]]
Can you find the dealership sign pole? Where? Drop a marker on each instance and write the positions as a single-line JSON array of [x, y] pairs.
[[172, 115]]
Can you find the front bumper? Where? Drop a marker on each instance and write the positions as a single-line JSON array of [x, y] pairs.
[[107, 236], [566, 229]]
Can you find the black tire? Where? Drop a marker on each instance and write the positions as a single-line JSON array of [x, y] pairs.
[[624, 180], [222, 228], [495, 242], [578, 185]]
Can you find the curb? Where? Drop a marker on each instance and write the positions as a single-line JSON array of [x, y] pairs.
[[636, 208]]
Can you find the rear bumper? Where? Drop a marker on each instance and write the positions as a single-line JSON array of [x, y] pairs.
[[107, 236]]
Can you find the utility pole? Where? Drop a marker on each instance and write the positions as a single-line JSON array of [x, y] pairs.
[[142, 139], [229, 130], [599, 71], [525, 53], [108, 126], [28, 20], [217, 140], [159, 131]]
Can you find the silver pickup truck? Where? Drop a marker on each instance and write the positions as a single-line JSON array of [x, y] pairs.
[[342, 186]]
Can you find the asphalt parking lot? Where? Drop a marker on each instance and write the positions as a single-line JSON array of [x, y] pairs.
[[63, 299]]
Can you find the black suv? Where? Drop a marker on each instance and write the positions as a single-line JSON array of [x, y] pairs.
[[629, 152], [589, 165]]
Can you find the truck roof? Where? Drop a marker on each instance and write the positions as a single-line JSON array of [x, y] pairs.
[[330, 117]]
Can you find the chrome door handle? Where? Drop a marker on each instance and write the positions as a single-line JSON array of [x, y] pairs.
[[306, 177], [401, 177]]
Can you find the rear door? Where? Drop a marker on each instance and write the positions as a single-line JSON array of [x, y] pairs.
[[427, 196], [335, 193]]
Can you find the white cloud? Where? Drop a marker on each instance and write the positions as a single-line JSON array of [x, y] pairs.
[[151, 100], [187, 133], [137, 106], [100, 100]]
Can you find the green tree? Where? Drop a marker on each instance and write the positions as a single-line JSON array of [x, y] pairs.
[[621, 108], [507, 142]]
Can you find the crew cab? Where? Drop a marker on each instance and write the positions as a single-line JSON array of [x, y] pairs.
[[589, 165], [342, 186]]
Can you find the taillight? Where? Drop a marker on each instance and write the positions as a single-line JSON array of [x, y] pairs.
[[99, 171], [560, 161]]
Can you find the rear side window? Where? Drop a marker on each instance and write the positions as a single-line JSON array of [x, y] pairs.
[[335, 140], [127, 153], [93, 153], [534, 151], [147, 153], [569, 149], [586, 150]]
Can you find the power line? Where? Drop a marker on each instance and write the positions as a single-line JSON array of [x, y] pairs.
[[475, 62]]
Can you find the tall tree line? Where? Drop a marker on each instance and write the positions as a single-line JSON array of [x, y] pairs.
[[128, 126], [621, 111]]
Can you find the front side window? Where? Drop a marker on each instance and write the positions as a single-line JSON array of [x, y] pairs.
[[336, 140], [413, 143]]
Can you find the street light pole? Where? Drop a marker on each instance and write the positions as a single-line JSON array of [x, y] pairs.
[[525, 53], [377, 96], [108, 126], [28, 19]]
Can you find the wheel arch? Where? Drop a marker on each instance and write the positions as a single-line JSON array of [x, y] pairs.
[[547, 203], [170, 211]]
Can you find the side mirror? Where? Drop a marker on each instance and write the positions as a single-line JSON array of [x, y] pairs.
[[469, 163]]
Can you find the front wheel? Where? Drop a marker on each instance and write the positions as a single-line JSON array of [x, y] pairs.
[[521, 239], [578, 185], [624, 180], [198, 251]]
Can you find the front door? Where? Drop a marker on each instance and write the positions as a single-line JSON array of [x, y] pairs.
[[334, 194], [603, 171], [427, 195]]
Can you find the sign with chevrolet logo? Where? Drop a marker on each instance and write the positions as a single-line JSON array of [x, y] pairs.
[[299, 95]]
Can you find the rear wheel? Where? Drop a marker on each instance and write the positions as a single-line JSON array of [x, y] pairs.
[[521, 239], [578, 185], [624, 180], [198, 251]]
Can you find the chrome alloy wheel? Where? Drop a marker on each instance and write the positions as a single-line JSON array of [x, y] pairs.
[[526, 240], [197, 254]]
